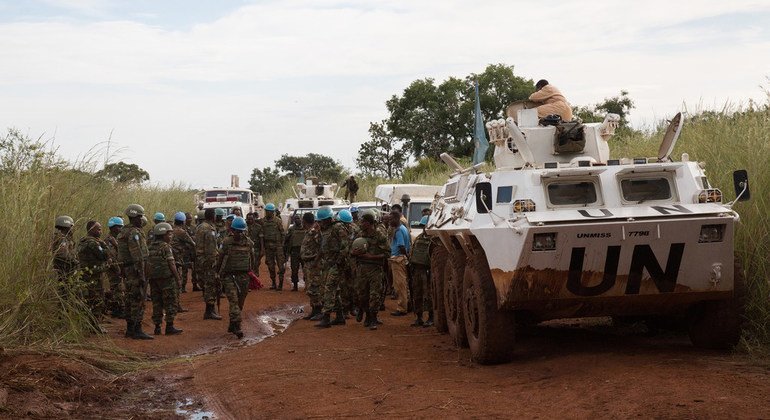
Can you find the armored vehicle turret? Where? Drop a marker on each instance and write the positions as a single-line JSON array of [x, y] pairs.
[[560, 230]]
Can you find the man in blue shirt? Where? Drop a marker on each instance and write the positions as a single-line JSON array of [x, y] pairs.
[[399, 250]]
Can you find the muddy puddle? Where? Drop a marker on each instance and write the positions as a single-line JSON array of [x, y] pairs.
[[256, 329], [191, 410]]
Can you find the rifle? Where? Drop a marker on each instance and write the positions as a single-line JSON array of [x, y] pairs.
[[220, 273]]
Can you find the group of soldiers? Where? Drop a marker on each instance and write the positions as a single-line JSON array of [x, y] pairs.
[[343, 258]]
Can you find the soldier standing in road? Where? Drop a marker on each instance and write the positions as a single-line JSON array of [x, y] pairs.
[[292, 247], [65, 261], [370, 257], [332, 255], [311, 245], [272, 232], [92, 255], [116, 302], [235, 262], [206, 253], [399, 249], [419, 261], [254, 225], [347, 283], [164, 279], [184, 248], [132, 255], [220, 226]]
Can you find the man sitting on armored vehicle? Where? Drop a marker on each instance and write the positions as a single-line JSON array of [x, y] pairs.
[[551, 101]]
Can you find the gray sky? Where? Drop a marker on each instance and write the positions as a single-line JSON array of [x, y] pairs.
[[194, 91]]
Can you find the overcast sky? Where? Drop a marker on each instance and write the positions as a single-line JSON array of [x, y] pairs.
[[194, 91]]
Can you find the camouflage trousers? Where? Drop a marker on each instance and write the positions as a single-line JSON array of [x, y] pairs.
[[421, 289], [347, 287], [330, 278], [184, 270], [312, 274], [369, 278], [296, 263], [274, 257], [163, 293], [117, 302], [93, 294], [236, 286], [208, 279], [134, 296]]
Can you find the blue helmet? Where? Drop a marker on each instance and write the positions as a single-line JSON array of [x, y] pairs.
[[353, 209], [324, 213], [159, 217], [180, 217], [115, 221], [345, 216], [238, 223], [424, 220], [219, 212], [270, 207], [230, 216]]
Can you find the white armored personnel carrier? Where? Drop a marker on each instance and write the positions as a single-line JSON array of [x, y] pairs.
[[562, 230], [309, 196]]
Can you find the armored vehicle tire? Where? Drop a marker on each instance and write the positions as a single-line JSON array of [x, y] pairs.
[[438, 262], [453, 282], [717, 324], [490, 331]]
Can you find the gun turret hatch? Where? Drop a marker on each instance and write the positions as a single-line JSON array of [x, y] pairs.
[[670, 138]]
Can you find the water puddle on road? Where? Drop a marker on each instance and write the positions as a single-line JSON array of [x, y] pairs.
[[192, 411], [257, 328]]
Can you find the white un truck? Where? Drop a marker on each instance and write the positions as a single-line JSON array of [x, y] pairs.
[[561, 230]]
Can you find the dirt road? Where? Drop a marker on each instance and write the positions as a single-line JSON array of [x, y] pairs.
[[561, 370]]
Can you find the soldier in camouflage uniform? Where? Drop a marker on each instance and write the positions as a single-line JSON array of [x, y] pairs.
[[197, 283], [235, 262], [221, 226], [370, 272], [93, 258], [132, 255], [164, 279], [292, 246], [419, 263], [184, 248], [332, 256], [272, 233], [255, 234], [347, 284], [65, 260], [206, 253], [116, 301], [311, 245]]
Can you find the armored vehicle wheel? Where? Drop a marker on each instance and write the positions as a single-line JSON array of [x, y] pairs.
[[490, 331], [453, 281], [438, 262], [717, 324]]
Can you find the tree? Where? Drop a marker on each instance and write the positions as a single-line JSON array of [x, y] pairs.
[[312, 164], [382, 154], [265, 181], [124, 173], [621, 105], [434, 119], [20, 153]]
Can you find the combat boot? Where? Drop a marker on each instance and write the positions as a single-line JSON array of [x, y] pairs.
[[318, 316], [237, 330], [316, 310], [429, 321], [340, 318], [360, 315], [373, 322], [368, 319], [170, 330], [272, 280], [139, 334], [295, 288], [325, 321], [280, 283], [157, 330], [211, 313], [418, 322], [129, 329]]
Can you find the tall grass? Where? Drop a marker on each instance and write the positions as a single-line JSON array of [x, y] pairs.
[[31, 311]]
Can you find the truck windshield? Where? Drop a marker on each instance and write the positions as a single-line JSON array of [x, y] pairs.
[[572, 193], [645, 189], [415, 213]]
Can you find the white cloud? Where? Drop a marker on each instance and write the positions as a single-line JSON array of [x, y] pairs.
[[313, 74]]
